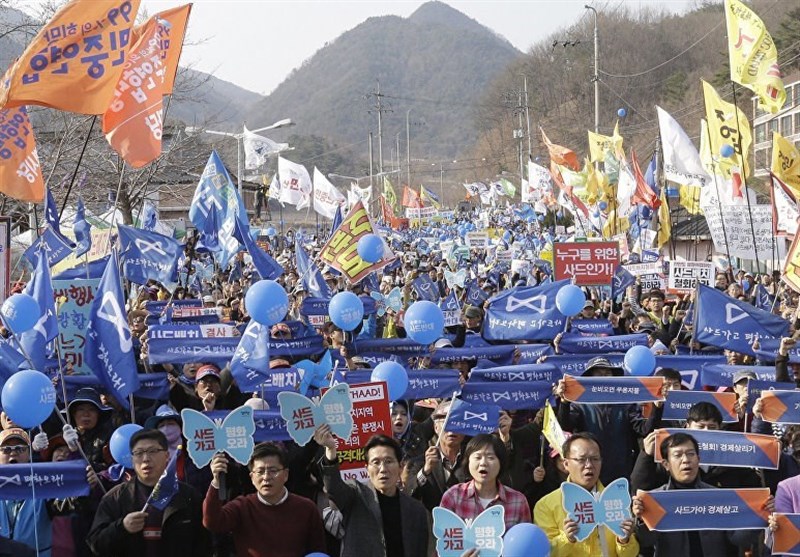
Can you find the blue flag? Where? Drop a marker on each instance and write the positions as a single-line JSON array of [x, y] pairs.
[[54, 480], [54, 245], [149, 217], [470, 418], [95, 270], [763, 299], [82, 230], [51, 211], [34, 341], [426, 289], [728, 323], [476, 296], [167, 485], [525, 313], [109, 348], [337, 220], [310, 275], [621, 280], [250, 363], [148, 255], [266, 266], [216, 199]]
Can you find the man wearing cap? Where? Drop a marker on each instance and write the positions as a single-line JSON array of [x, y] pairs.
[[614, 425], [122, 528], [208, 392], [441, 465]]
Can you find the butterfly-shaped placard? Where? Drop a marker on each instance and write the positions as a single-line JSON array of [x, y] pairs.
[[206, 437], [611, 508], [393, 300], [314, 374], [454, 536], [455, 279], [303, 415]]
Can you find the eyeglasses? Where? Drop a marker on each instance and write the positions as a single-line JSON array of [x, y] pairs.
[[268, 472], [691, 455], [13, 449], [591, 460], [141, 453], [377, 463]]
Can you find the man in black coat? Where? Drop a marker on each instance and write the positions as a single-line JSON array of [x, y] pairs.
[[126, 525]]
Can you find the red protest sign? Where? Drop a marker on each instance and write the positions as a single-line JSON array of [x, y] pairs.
[[371, 415], [588, 263]]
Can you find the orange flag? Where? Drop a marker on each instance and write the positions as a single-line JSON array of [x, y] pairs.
[[133, 124], [561, 155], [75, 60], [20, 172], [411, 198], [643, 194], [172, 29], [386, 210]]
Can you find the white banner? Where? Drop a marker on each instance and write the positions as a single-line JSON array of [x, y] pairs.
[[420, 213], [326, 197], [477, 239], [685, 275], [295, 183]]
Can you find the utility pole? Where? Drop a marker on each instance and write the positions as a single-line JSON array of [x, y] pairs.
[[380, 108], [527, 115], [408, 147], [596, 77], [370, 159]]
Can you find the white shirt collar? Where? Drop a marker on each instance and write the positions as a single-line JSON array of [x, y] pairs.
[[267, 503]]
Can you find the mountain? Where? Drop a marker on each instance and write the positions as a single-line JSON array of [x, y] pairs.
[[432, 66]]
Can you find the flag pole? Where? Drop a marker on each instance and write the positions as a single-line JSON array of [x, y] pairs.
[[719, 202], [77, 166], [744, 179]]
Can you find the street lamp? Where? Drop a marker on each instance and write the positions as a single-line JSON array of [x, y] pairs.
[[285, 123], [596, 77]]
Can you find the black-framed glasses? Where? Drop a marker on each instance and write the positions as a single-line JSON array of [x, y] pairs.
[[268, 472]]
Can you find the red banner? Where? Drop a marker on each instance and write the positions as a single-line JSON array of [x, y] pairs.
[[588, 263]]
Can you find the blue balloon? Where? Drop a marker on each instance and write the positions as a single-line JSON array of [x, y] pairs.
[[120, 444], [266, 302], [526, 539], [603, 205], [646, 212], [28, 398], [639, 361], [21, 312], [318, 554], [396, 378], [346, 310], [570, 300], [596, 214], [560, 214], [622, 113], [424, 322], [370, 248], [726, 151], [271, 232], [541, 218], [442, 238]]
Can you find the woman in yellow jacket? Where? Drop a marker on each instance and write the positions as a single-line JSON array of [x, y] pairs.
[[583, 462]]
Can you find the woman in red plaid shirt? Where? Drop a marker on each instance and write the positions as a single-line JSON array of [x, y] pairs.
[[485, 460]]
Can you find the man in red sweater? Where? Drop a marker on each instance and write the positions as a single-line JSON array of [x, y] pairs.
[[271, 522]]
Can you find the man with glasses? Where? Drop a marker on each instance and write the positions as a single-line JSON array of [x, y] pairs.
[[380, 520], [270, 521], [125, 523], [681, 460], [583, 462]]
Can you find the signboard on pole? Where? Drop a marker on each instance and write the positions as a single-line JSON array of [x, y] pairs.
[[588, 263], [685, 275]]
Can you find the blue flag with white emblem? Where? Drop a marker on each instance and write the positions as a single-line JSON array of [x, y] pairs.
[[525, 313], [35, 340], [148, 255], [621, 280], [763, 299], [475, 294], [82, 230], [310, 275], [167, 486], [470, 418], [426, 289], [109, 347], [54, 246], [250, 363], [51, 211], [728, 323], [265, 264], [215, 208]]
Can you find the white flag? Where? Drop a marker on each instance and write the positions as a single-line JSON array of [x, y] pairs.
[[326, 197], [295, 183], [257, 148], [681, 160], [538, 181], [363, 194], [626, 187], [785, 209], [275, 188]]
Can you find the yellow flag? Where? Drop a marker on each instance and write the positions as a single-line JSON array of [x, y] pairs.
[[388, 192], [664, 220], [615, 225], [551, 429], [753, 57], [599, 144], [786, 162], [727, 126], [690, 199]]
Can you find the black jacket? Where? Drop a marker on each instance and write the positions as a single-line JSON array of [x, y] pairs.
[[182, 531]]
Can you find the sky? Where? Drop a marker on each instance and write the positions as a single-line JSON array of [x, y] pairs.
[[256, 43]]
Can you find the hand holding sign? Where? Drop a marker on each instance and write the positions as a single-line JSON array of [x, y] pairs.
[[454, 536], [303, 415], [233, 435], [611, 509]]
